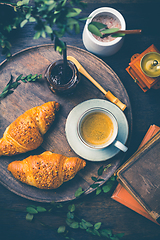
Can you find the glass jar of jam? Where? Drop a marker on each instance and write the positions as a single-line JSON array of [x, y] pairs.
[[60, 81]]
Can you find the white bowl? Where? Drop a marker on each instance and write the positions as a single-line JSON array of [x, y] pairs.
[[103, 48]]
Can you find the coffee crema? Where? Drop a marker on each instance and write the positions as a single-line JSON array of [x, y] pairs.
[[97, 128]]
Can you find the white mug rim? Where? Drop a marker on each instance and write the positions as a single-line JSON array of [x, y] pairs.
[[110, 11]]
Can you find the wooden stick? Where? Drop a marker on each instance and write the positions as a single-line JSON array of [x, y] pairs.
[[107, 94], [136, 31]]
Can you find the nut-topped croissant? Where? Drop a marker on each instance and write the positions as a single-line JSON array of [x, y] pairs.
[[26, 132], [47, 170]]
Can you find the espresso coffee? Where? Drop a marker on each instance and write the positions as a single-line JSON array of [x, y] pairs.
[[97, 128]]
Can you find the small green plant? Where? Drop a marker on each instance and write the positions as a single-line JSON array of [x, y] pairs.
[[12, 85], [73, 221], [51, 18]]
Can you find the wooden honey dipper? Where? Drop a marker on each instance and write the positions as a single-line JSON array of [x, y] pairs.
[[107, 94]]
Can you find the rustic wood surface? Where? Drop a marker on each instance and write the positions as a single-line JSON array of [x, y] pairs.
[[146, 111], [36, 60]]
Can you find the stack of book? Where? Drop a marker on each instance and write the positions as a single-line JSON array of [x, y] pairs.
[[139, 178]]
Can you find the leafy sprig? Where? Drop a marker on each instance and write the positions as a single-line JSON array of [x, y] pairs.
[[12, 85], [72, 220], [97, 182]]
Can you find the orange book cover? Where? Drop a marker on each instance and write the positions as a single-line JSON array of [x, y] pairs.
[[122, 196]]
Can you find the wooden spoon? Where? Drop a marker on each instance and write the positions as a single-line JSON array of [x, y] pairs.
[[107, 94]]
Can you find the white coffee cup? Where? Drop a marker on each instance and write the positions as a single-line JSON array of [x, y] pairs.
[[97, 128]]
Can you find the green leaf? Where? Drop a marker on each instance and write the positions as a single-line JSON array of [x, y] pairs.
[[61, 229], [64, 2], [107, 187], [77, 28], [43, 34], [94, 185], [118, 35], [74, 225], [4, 94], [51, 6], [110, 30], [41, 209], [82, 225], [112, 178], [79, 192], [100, 180], [15, 85], [71, 21], [98, 191], [69, 221], [32, 19], [93, 29], [49, 2], [6, 88], [94, 179], [73, 12], [100, 171], [106, 232], [33, 76], [37, 35], [25, 2], [42, 8], [87, 224], [19, 3], [71, 208], [39, 76], [90, 230], [29, 217], [96, 232], [105, 169], [97, 225], [28, 76], [70, 215], [48, 29], [23, 80], [28, 15], [31, 210], [23, 23], [99, 25], [58, 49], [10, 91], [19, 77]]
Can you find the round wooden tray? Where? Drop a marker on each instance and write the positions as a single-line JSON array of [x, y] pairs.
[[35, 60]]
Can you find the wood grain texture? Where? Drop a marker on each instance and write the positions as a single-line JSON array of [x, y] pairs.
[[146, 111], [27, 95]]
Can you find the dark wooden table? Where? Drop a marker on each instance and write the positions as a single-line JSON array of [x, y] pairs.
[[145, 110]]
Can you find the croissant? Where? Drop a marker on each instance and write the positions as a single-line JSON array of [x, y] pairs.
[[26, 132], [47, 170]]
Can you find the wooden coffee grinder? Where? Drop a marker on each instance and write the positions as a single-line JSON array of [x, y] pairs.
[[144, 68]]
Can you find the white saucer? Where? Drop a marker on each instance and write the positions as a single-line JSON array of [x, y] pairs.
[[81, 149]]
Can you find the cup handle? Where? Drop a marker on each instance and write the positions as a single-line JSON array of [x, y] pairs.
[[120, 145]]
